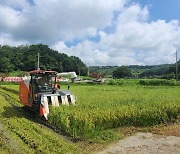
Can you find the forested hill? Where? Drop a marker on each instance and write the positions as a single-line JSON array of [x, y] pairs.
[[137, 70], [24, 58]]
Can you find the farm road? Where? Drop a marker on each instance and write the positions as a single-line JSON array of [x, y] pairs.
[[145, 143]]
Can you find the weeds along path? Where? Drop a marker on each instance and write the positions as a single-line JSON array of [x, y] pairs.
[[20, 132]]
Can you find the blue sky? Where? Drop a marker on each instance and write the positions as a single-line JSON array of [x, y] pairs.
[[100, 32], [162, 9], [158, 9]]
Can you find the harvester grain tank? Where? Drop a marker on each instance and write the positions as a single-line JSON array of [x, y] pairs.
[[72, 74], [39, 90]]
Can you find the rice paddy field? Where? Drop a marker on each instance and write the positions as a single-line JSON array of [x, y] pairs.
[[100, 110], [104, 107]]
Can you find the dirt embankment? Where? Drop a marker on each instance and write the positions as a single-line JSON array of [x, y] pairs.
[[162, 140]]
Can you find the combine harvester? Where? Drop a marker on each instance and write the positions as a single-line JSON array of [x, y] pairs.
[[39, 90]]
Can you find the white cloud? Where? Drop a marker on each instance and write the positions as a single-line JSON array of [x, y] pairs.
[[59, 19], [134, 13], [135, 41], [59, 46], [131, 39], [139, 37], [9, 18], [7, 39], [16, 4]]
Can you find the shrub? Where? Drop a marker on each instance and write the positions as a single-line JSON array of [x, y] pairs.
[[158, 82]]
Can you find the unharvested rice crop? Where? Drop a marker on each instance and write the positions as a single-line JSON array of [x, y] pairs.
[[102, 107]]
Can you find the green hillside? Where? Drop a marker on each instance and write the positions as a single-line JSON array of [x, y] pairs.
[[137, 70], [24, 58]]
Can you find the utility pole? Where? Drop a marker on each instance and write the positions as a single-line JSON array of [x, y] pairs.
[[176, 66], [38, 62], [88, 69]]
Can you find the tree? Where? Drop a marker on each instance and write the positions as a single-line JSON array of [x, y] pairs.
[[78, 66], [24, 58], [121, 72], [5, 65], [172, 69]]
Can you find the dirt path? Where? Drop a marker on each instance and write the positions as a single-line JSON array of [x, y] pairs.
[[145, 143]]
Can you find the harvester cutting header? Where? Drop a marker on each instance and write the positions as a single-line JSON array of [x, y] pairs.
[[39, 90]]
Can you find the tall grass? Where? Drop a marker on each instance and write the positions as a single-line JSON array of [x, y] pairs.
[[158, 82], [124, 82]]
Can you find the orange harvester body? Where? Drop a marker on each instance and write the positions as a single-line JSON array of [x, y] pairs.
[[39, 90], [24, 92]]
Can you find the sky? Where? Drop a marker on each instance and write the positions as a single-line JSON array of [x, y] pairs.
[[99, 32]]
